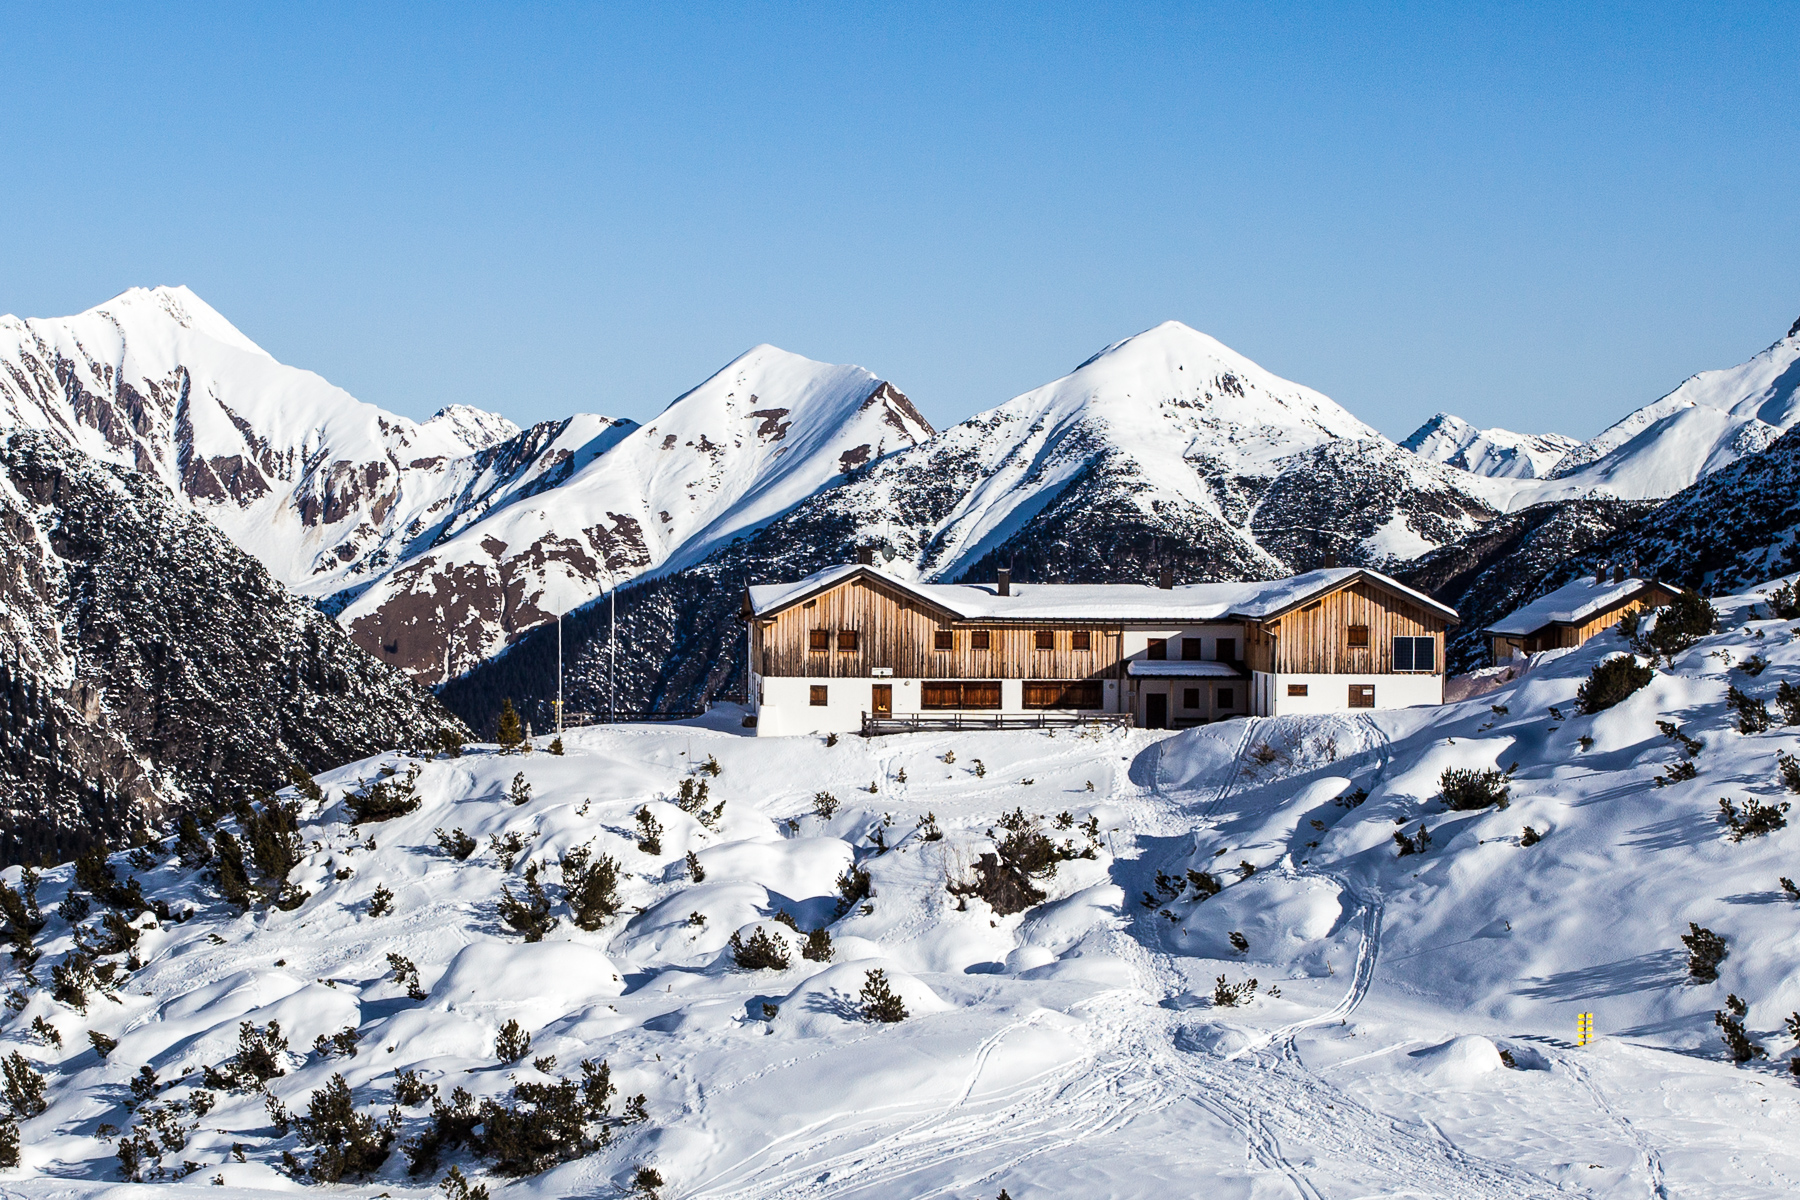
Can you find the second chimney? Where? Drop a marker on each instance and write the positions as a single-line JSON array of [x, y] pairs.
[[865, 556], [1165, 578], [1003, 581]]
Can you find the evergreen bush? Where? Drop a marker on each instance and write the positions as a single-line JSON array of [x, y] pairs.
[[456, 843], [381, 901], [696, 872], [853, 887], [349, 1144], [650, 832], [1755, 819], [1706, 950], [1688, 618], [25, 1091], [1230, 995], [1610, 682], [763, 952], [1787, 699], [817, 947], [531, 915], [1752, 714], [879, 1001], [592, 886], [1466, 789], [513, 1043]]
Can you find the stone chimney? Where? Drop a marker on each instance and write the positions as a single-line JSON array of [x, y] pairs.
[[1165, 578], [865, 556], [1619, 572], [1003, 581]]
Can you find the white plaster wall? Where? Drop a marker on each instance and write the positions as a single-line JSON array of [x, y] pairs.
[[1331, 693], [787, 707]]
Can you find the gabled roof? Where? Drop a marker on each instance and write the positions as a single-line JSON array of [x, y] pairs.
[[1124, 603], [1571, 604]]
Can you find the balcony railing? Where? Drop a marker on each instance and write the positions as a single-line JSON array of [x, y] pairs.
[[875, 726]]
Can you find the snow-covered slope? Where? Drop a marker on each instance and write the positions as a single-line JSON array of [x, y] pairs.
[[1410, 1029], [1497, 453]]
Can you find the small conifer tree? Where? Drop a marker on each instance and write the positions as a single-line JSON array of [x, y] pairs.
[[1706, 950], [510, 733], [879, 1001]]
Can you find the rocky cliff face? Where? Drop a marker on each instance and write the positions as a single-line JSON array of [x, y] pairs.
[[146, 662]]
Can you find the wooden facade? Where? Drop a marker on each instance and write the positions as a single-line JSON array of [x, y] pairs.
[[897, 632], [1316, 638], [1565, 635]]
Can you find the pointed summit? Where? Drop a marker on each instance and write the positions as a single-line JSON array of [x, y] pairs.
[[180, 305]]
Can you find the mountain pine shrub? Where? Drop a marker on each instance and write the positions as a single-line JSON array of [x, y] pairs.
[[349, 1144], [456, 843], [1689, 746], [1610, 682], [1230, 995], [650, 832], [1787, 699], [1755, 819], [1730, 1020], [408, 974], [1706, 950], [1530, 837], [825, 805], [1465, 789], [25, 1092], [507, 848], [229, 872], [556, 746], [1753, 666], [696, 872], [818, 946], [384, 799], [1784, 603], [1752, 714], [647, 1181], [762, 952], [853, 887], [1205, 885], [513, 1043], [1688, 618], [1787, 768], [879, 1001], [520, 791], [450, 741], [381, 901], [456, 1186], [103, 1045], [531, 915], [592, 886]]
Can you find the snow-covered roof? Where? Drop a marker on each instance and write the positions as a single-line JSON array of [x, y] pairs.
[[1129, 603], [1183, 669], [1570, 604]]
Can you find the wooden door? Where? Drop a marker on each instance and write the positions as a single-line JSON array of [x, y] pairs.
[[1156, 711], [881, 699]]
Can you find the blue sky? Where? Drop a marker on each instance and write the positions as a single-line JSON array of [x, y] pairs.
[[1534, 217]]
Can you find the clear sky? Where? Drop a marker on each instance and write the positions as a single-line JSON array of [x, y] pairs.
[[1534, 217]]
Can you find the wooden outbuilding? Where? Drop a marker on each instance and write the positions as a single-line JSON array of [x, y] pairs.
[[1573, 613]]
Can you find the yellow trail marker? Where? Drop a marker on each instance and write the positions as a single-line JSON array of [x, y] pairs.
[[1584, 1028]]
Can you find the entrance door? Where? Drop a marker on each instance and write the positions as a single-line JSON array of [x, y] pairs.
[[881, 700], [1156, 711]]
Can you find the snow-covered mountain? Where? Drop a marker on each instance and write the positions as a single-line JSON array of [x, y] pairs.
[[1711, 420], [1498, 453], [762, 435], [1264, 958], [150, 666]]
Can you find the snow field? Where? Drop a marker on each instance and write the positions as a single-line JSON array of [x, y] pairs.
[[1073, 1049]]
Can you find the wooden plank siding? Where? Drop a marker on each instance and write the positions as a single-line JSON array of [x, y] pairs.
[[1562, 636], [1313, 639], [898, 631]]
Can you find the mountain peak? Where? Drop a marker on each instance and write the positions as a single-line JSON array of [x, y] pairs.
[[180, 305], [477, 428]]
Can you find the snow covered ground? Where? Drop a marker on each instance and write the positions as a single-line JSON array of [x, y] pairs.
[[1070, 1050]]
